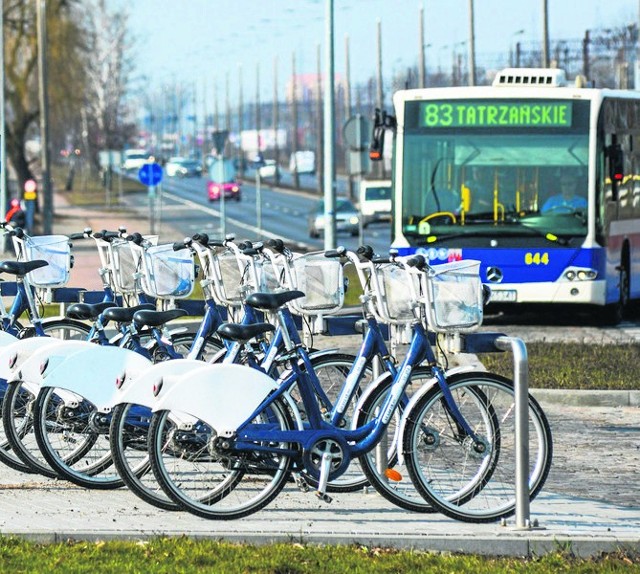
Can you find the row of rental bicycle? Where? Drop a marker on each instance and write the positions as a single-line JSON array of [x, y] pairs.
[[218, 419]]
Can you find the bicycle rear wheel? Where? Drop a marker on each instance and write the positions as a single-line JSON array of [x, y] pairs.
[[455, 476], [66, 329], [17, 421], [7, 454], [74, 439], [212, 483], [128, 436], [182, 344]]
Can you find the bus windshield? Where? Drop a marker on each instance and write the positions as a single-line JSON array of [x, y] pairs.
[[517, 172]]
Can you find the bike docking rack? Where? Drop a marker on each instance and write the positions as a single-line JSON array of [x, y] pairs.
[[322, 280]]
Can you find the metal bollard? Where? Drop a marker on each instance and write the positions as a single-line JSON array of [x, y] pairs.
[[521, 385]]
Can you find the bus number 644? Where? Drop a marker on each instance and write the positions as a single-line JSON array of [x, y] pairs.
[[536, 258]]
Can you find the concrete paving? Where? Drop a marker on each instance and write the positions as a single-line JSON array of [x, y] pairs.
[[590, 503]]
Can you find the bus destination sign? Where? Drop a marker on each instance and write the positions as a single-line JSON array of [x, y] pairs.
[[487, 114]]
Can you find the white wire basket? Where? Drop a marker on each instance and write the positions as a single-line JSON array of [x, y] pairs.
[[124, 264], [321, 279], [397, 291], [167, 274], [453, 296], [271, 275], [56, 250], [229, 278]]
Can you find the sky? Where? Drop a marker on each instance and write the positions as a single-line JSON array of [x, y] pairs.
[[202, 42]]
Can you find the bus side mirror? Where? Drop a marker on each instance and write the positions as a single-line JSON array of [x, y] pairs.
[[381, 123], [616, 167]]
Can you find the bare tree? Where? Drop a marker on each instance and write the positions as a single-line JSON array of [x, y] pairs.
[[108, 69], [21, 89]]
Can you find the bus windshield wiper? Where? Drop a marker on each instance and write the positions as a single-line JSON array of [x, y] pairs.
[[485, 232], [551, 237]]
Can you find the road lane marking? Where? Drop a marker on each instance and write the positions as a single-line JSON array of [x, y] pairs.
[[192, 204]]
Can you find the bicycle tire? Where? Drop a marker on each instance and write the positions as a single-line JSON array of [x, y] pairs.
[[182, 344], [74, 441], [63, 329], [17, 421], [389, 477], [212, 485], [66, 329], [441, 462], [128, 436], [7, 454]]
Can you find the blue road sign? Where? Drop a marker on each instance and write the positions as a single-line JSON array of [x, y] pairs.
[[150, 174]]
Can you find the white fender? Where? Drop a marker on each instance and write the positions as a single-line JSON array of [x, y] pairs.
[[47, 357], [223, 396], [18, 352], [6, 339], [92, 373], [137, 388]]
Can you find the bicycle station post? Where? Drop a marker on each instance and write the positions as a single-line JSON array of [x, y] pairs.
[[521, 388]]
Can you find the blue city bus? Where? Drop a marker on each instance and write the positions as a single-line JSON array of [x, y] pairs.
[[474, 169]]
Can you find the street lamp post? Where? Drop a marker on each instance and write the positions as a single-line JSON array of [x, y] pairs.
[[472, 46], [3, 141], [47, 208], [329, 135], [514, 55]]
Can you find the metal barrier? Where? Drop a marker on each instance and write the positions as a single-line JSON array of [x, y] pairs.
[[468, 343]]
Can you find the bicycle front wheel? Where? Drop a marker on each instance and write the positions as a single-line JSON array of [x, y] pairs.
[[381, 465], [473, 481], [212, 483]]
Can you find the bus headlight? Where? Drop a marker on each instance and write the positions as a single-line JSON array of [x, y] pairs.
[[579, 274]]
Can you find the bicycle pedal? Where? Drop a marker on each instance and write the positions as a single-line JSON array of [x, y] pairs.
[[301, 483], [324, 497]]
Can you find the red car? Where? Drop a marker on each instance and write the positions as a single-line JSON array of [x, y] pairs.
[[222, 178]]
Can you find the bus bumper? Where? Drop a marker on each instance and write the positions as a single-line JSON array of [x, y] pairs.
[[580, 292]]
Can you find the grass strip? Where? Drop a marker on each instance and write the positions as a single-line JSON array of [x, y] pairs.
[[182, 555]]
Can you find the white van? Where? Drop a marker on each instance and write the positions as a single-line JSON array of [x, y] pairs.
[[375, 200]]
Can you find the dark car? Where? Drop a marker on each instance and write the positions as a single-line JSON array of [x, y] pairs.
[[347, 218]]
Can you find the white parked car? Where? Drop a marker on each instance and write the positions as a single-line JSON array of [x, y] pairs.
[[269, 169], [134, 159]]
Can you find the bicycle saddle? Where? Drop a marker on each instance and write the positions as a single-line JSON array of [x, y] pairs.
[[125, 314], [88, 311], [272, 301], [156, 318], [21, 268], [243, 333]]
